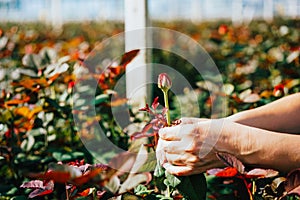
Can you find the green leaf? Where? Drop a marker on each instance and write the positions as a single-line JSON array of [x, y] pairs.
[[77, 154], [102, 98], [134, 180], [28, 72], [60, 156], [5, 116], [57, 155], [53, 103], [51, 138], [82, 198], [142, 190], [150, 164], [159, 171], [193, 187], [172, 180], [128, 196], [12, 191], [113, 184], [66, 157], [162, 197], [27, 145], [54, 69], [32, 60], [228, 88], [19, 198]]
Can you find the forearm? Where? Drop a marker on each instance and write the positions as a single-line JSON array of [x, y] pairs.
[[282, 115], [260, 148]]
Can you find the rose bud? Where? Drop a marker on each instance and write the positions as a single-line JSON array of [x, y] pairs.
[[164, 81]]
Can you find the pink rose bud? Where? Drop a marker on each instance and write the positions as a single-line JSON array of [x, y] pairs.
[[164, 81]]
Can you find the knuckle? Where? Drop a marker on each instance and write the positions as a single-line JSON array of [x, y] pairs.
[[193, 159]]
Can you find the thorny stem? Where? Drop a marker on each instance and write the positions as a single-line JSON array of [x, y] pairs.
[[67, 193], [168, 191], [155, 141], [167, 107], [253, 187], [249, 192]]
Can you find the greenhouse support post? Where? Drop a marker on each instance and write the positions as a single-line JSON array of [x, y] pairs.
[[136, 37]]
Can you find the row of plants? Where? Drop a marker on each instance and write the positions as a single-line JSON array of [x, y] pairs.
[[43, 150]]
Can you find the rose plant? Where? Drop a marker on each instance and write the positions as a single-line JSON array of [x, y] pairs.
[[42, 156]]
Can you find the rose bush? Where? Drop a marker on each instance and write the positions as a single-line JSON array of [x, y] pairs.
[[42, 155]]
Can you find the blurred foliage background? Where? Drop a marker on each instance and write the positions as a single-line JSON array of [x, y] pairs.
[[259, 63]]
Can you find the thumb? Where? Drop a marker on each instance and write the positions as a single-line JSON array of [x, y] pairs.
[[160, 153]]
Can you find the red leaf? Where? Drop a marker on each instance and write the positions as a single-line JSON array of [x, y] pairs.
[[49, 187], [214, 171], [295, 191], [293, 181], [147, 128], [39, 192], [58, 173], [155, 103], [85, 192], [66, 173], [279, 90], [231, 161], [32, 84], [57, 176], [35, 184], [261, 173], [146, 108], [227, 172], [223, 29], [128, 57], [87, 177], [116, 70], [149, 145], [138, 135], [17, 101]]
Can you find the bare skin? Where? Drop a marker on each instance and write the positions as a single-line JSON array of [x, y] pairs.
[[261, 137]]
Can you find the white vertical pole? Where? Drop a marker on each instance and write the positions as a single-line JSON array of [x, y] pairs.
[[204, 8], [268, 10], [103, 12], [136, 18], [237, 12], [293, 8], [196, 10], [56, 15]]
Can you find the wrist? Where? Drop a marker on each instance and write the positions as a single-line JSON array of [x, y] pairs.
[[237, 117], [238, 140], [223, 135]]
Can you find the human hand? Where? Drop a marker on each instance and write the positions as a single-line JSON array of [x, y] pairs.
[[189, 148]]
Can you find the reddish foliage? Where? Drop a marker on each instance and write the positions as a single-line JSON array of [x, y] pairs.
[[109, 76], [223, 29], [41, 187], [279, 90], [227, 172], [157, 122]]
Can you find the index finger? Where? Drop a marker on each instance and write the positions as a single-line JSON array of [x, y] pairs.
[[192, 120], [175, 132]]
